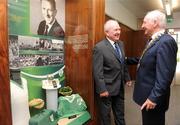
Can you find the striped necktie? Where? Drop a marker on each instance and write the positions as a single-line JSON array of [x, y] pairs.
[[118, 51]]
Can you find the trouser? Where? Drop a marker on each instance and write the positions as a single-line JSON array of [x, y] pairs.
[[116, 103], [153, 117]]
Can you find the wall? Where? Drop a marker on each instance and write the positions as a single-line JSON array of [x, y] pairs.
[[175, 23], [114, 9], [84, 27], [5, 114]]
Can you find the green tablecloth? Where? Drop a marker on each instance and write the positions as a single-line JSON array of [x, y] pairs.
[[45, 117]]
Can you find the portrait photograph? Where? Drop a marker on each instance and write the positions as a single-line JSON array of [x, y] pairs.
[[47, 17]]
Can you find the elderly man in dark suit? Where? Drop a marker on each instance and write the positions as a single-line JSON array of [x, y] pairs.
[[155, 70], [110, 74], [49, 26]]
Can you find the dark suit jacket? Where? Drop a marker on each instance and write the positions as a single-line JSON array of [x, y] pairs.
[[109, 73], [156, 72], [56, 30]]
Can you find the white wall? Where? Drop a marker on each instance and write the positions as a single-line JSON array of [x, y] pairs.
[[114, 9], [176, 21]]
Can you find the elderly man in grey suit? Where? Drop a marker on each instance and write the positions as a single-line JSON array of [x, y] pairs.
[[110, 74]]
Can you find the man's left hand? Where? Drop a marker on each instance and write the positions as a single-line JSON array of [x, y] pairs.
[[129, 83], [148, 104]]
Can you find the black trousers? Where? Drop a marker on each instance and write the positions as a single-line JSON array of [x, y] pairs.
[[116, 103], [153, 117]]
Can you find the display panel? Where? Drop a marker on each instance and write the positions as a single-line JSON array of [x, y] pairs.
[[36, 54]]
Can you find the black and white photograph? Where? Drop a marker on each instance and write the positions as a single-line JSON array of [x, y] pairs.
[[47, 18], [33, 51]]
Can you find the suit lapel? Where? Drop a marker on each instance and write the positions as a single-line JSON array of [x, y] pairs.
[[153, 44], [147, 48], [111, 48]]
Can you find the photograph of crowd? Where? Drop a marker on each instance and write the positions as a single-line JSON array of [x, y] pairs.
[[33, 51]]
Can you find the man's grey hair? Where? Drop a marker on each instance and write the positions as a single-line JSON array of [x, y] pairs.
[[108, 24], [158, 16]]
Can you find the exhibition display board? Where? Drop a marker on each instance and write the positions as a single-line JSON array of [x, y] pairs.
[[36, 55]]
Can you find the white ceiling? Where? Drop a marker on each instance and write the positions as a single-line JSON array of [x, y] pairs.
[[140, 7]]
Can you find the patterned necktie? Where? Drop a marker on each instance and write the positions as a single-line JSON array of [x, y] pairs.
[[46, 30], [149, 43], [118, 51]]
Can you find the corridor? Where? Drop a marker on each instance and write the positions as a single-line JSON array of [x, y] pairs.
[[133, 114]]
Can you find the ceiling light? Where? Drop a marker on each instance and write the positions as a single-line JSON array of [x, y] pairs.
[[168, 9]]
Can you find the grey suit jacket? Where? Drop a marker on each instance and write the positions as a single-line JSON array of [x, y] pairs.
[[109, 73]]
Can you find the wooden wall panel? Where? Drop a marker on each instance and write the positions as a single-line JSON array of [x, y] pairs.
[[77, 59], [5, 113], [98, 19], [84, 28], [138, 45]]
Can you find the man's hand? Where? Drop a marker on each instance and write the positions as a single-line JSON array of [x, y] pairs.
[[148, 104], [104, 94], [129, 83]]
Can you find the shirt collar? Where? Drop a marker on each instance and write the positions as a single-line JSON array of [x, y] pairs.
[[112, 42], [157, 34]]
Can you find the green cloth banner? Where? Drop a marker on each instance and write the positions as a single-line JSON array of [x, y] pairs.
[[18, 17]]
